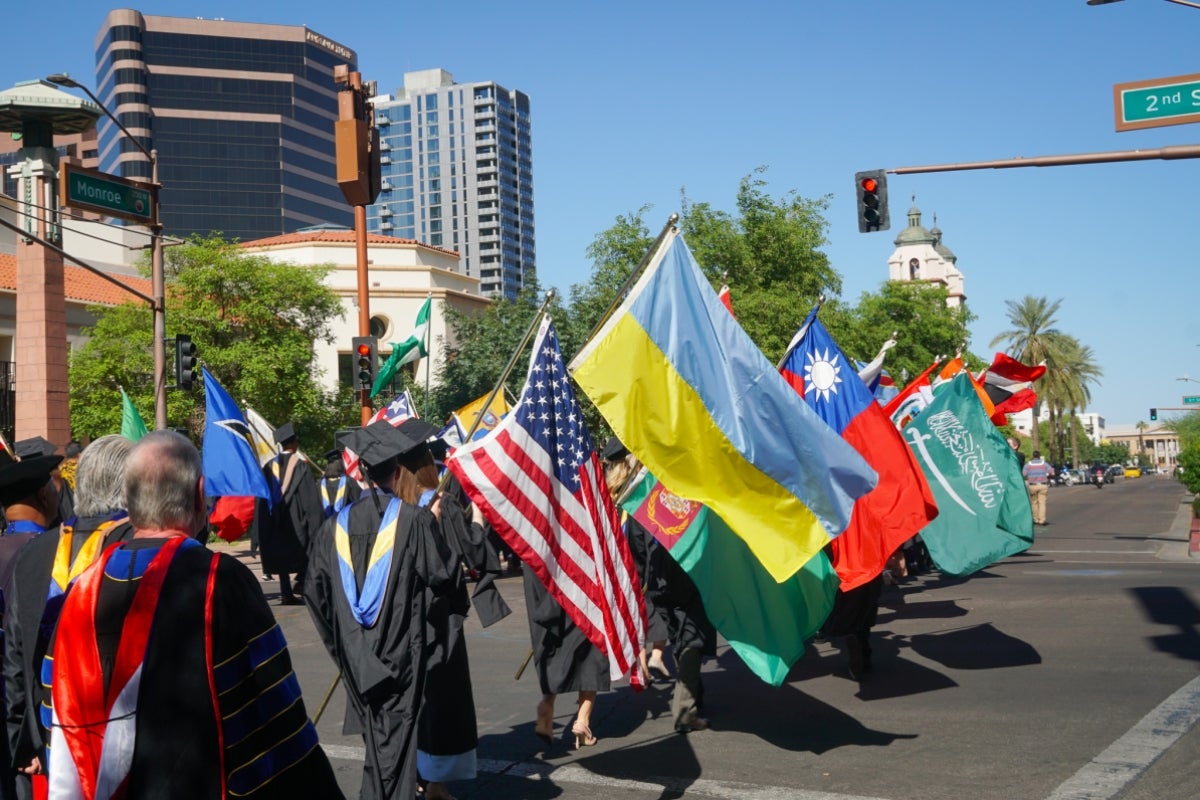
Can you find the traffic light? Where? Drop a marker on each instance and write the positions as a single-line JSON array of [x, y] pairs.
[[185, 362], [871, 189], [1154, 415], [366, 361]]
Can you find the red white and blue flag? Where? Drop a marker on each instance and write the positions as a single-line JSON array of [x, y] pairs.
[[901, 504], [538, 480], [398, 410]]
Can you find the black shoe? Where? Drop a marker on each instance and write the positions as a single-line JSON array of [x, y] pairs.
[[291, 601]]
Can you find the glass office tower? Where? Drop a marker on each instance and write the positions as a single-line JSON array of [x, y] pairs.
[[457, 168], [241, 115]]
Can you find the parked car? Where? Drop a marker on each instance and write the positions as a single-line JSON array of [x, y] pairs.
[[1149, 470], [1133, 472], [1113, 472]]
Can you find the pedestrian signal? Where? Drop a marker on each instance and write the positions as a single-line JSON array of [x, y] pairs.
[[1154, 415], [365, 360], [871, 190], [185, 362]]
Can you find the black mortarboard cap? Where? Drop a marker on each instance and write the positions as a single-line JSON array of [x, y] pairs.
[[20, 479], [613, 449], [333, 455], [284, 432], [417, 429], [34, 446]]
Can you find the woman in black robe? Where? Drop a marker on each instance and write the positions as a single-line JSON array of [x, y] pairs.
[[566, 662], [378, 638]]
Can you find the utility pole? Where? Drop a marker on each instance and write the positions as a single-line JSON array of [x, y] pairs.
[[356, 142]]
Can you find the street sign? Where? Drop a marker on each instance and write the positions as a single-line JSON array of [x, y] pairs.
[[1191, 400], [106, 194], [1157, 102]]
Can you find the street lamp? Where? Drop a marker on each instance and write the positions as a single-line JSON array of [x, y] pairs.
[[1186, 378], [1176, 2], [157, 282]]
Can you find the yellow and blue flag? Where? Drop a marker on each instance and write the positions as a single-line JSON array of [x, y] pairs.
[[692, 396]]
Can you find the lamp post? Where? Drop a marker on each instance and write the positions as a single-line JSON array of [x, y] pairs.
[[1176, 2], [157, 281]]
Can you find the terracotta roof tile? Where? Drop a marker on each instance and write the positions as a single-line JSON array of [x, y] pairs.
[[337, 237], [80, 285]]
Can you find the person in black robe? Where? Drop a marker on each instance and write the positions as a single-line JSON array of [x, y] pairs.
[[566, 661], [338, 489], [670, 590], [30, 501], [447, 734], [373, 613], [36, 446], [215, 708], [36, 593], [294, 517]]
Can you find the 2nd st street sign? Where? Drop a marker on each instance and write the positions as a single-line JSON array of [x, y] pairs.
[[92, 190], [1157, 102]]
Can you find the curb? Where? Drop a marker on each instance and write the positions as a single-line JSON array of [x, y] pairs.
[[1194, 538]]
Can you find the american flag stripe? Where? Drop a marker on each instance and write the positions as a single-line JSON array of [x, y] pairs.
[[523, 525], [538, 480]]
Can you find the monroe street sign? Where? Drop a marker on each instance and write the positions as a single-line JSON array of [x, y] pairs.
[[106, 194], [1157, 102], [1191, 400]]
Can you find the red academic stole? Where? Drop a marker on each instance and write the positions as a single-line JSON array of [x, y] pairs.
[[94, 729]]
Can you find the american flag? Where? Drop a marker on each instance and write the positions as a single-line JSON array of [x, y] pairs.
[[538, 480], [399, 409]]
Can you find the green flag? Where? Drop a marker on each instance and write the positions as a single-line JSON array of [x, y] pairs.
[[766, 623], [132, 427], [409, 350], [983, 508]]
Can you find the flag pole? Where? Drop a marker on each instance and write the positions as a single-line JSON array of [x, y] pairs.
[[815, 311], [428, 352], [508, 368], [633, 276]]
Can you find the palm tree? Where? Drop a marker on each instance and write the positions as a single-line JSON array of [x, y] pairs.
[[1033, 339], [1070, 371]]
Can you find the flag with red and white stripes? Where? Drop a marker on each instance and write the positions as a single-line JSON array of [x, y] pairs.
[[397, 411], [538, 480]]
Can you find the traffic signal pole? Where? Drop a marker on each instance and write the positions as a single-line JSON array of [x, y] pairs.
[[1165, 153], [356, 143]]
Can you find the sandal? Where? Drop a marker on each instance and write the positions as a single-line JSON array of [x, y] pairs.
[[583, 735]]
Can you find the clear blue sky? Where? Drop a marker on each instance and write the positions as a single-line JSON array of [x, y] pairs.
[[633, 102]]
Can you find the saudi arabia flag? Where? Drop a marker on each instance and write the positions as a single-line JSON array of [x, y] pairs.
[[983, 508], [411, 349]]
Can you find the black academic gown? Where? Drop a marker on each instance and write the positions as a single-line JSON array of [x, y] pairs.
[[566, 661], [384, 665], [341, 490], [267, 745], [447, 731], [29, 623], [671, 591], [11, 544], [296, 514]]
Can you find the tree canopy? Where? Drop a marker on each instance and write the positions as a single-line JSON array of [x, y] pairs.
[[254, 322]]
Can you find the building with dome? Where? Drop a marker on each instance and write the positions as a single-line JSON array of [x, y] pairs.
[[921, 255]]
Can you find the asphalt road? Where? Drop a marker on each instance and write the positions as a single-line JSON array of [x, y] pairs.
[[1069, 671]]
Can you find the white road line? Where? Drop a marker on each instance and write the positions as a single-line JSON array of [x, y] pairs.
[[1103, 778], [1128, 757]]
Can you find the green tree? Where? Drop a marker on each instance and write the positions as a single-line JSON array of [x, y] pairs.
[[1189, 461], [1070, 371], [1033, 339], [254, 322], [1187, 428]]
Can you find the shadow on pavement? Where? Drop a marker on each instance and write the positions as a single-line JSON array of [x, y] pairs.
[[1169, 605], [975, 647]]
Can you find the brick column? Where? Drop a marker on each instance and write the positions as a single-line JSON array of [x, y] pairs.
[[43, 407]]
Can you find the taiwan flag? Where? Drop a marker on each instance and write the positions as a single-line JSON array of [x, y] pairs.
[[902, 503]]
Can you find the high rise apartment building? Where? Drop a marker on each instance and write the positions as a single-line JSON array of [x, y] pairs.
[[241, 115], [457, 172]]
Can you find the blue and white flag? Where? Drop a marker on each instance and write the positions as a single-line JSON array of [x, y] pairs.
[[230, 463]]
